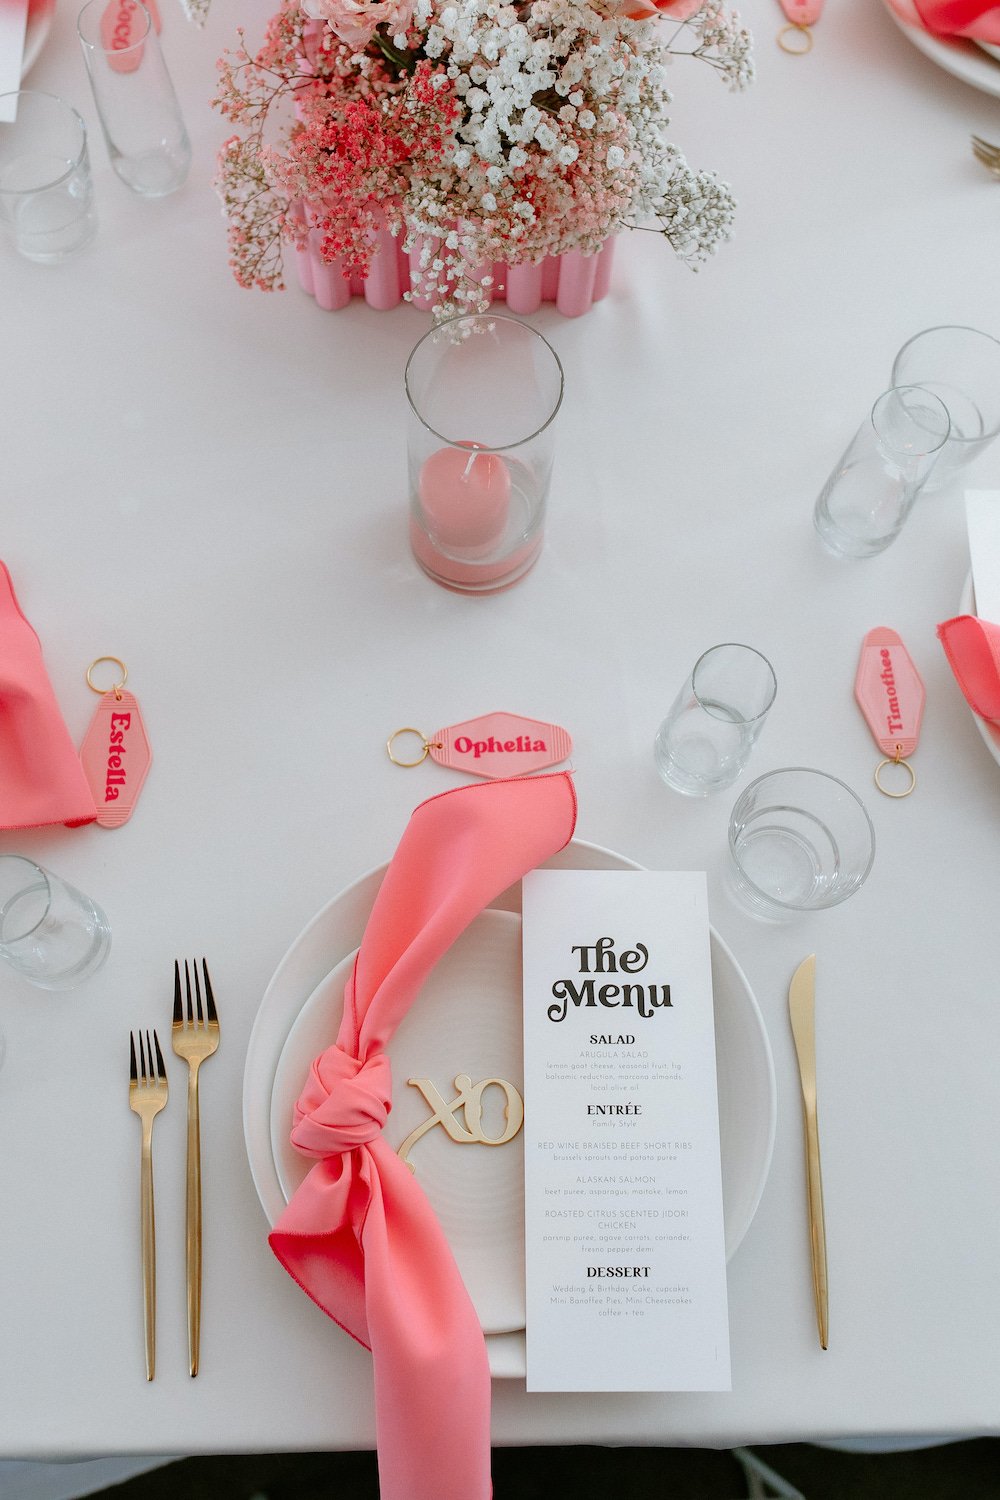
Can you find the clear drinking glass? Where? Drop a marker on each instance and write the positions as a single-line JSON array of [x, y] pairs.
[[705, 741], [483, 393], [46, 196], [800, 841], [138, 109], [962, 367], [867, 498], [50, 933]]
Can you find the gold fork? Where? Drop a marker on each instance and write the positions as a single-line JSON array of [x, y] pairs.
[[987, 154], [195, 1036], [147, 1094]]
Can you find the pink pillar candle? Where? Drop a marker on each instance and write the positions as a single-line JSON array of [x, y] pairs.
[[465, 499]]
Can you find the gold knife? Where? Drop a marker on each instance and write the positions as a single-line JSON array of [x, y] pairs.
[[802, 1010]]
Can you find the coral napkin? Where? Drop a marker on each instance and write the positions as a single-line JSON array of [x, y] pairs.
[[359, 1236], [979, 20], [41, 778], [973, 650]]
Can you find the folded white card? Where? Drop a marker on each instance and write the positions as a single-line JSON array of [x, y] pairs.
[[982, 514], [13, 24], [624, 1235]]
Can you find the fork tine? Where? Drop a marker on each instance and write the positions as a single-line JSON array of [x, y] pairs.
[[199, 1012], [209, 997], [132, 1072], [142, 1059], [161, 1071], [187, 988], [178, 1009]]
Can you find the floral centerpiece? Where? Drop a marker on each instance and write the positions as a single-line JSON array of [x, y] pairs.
[[480, 130]]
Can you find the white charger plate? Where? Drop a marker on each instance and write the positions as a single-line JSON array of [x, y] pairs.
[[989, 732], [972, 63], [303, 995]]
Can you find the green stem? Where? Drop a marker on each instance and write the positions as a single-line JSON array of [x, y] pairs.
[[404, 61]]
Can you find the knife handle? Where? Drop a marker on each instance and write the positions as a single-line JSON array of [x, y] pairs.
[[817, 1227]]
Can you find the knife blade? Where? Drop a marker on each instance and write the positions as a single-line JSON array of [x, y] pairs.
[[802, 1013]]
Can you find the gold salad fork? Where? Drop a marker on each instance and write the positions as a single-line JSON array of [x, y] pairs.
[[989, 155], [147, 1094], [195, 1033]]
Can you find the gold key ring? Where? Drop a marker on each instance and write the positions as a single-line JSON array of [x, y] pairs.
[[802, 47], [116, 687], [427, 747], [895, 760]]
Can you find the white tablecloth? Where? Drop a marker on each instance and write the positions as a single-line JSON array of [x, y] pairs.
[[210, 483]]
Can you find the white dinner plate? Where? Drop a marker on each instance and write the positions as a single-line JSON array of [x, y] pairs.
[[304, 997], [989, 732], [37, 30], [963, 59]]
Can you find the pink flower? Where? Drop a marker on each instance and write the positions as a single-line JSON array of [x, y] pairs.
[[643, 10], [354, 21]]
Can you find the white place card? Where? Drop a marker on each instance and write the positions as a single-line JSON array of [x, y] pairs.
[[625, 1240], [13, 25], [982, 513]]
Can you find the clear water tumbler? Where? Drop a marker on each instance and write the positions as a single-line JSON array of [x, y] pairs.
[[46, 196], [865, 502], [140, 117]]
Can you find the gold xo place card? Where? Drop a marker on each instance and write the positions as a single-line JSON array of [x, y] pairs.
[[624, 1234]]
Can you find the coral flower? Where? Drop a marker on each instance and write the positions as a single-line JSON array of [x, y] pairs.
[[355, 21], [643, 10]]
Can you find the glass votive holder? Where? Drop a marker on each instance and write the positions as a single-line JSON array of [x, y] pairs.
[[800, 841], [483, 392], [705, 741], [46, 195], [864, 503], [962, 367], [136, 103], [50, 933]]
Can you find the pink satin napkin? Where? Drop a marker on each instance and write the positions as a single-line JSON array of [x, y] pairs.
[[41, 778], [973, 650], [359, 1236], [979, 20]]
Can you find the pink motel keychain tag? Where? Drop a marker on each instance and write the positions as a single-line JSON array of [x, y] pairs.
[[115, 752], [891, 696], [494, 745], [796, 35], [123, 27]]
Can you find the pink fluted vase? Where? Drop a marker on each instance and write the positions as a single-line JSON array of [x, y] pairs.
[[574, 282]]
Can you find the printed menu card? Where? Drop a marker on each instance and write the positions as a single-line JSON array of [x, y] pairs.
[[13, 25], [625, 1242], [982, 510]]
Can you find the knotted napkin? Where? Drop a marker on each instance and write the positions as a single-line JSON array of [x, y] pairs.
[[973, 650], [979, 20], [41, 778], [359, 1236]]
